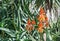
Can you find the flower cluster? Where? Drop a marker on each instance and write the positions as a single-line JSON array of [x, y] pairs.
[[29, 26], [42, 22]]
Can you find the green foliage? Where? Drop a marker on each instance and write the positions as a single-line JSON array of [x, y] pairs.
[[13, 18]]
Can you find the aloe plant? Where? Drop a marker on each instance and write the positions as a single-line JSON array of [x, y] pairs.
[[14, 15]]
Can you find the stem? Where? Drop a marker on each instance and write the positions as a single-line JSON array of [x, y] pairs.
[[41, 37], [17, 36]]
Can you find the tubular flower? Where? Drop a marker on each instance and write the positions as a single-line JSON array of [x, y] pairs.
[[41, 18], [29, 28], [40, 25], [42, 11], [40, 30], [29, 22], [33, 22]]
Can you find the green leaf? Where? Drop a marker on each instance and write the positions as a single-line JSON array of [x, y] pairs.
[[8, 31]]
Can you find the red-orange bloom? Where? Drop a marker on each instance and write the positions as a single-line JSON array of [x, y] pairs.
[[41, 18], [29, 22], [29, 28], [33, 22], [42, 11], [40, 25]]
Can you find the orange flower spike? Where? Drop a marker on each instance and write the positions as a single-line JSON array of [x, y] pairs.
[[29, 22], [42, 11], [40, 25], [33, 22]]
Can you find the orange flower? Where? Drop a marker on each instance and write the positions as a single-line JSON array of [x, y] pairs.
[[41, 18], [29, 28], [42, 11], [40, 30], [40, 25], [33, 22], [28, 22]]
